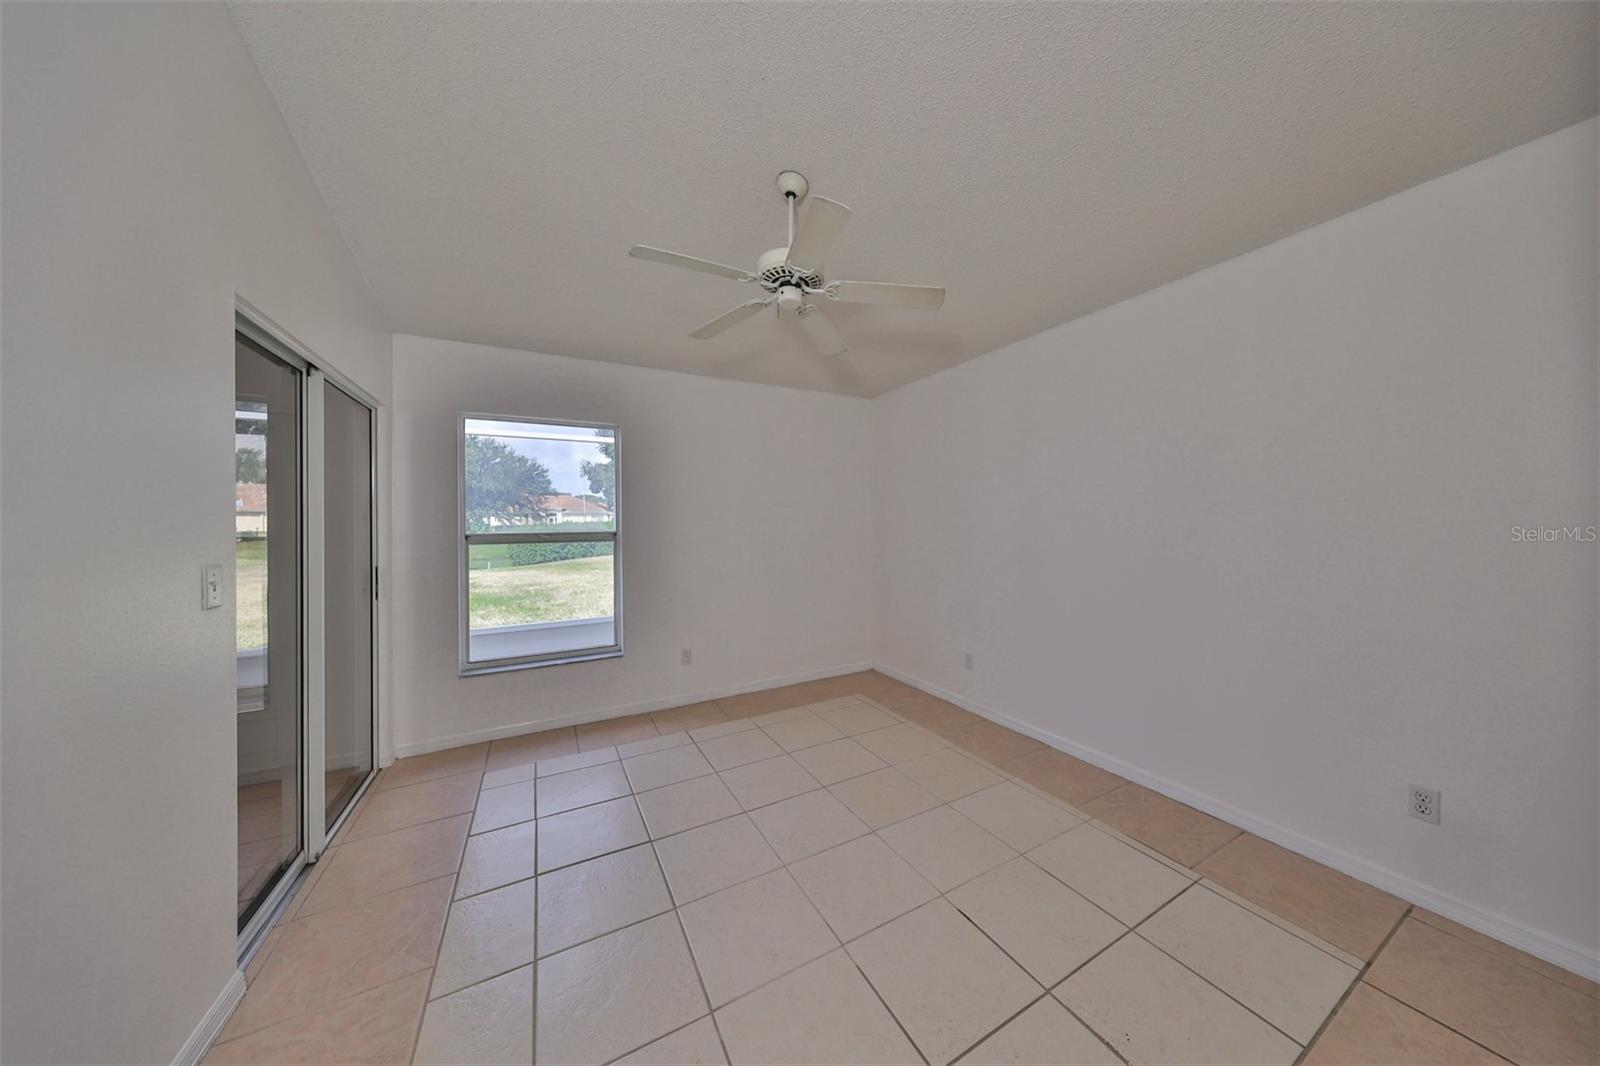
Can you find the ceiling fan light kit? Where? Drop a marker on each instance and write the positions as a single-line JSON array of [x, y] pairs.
[[793, 273]]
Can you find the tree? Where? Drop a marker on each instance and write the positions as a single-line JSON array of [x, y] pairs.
[[249, 466], [503, 485], [603, 476]]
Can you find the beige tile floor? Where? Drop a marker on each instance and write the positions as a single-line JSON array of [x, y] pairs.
[[851, 871]]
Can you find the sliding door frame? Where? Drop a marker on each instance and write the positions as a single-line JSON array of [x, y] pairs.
[[315, 375]]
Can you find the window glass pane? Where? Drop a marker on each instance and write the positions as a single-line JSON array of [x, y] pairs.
[[534, 599], [267, 521], [525, 477], [347, 579]]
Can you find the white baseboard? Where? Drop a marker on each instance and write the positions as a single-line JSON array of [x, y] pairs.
[[455, 740], [1552, 949], [199, 1041]]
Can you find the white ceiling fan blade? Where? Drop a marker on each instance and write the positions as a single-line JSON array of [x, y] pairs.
[[732, 318], [819, 331], [705, 266], [923, 297], [822, 225]]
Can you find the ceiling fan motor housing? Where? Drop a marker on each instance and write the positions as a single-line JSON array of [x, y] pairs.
[[774, 273]]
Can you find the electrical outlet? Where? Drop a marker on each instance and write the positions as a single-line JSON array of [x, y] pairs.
[[688, 656], [1424, 804], [967, 660]]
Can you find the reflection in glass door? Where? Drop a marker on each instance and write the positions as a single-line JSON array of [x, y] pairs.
[[347, 569], [268, 567]]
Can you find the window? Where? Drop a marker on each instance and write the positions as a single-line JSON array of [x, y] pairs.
[[541, 579]]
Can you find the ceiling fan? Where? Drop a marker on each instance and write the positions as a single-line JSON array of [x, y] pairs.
[[792, 273]]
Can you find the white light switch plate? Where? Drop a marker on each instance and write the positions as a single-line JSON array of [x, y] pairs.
[[211, 586]]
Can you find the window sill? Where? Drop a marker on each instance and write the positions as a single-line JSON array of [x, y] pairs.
[[523, 647], [503, 667]]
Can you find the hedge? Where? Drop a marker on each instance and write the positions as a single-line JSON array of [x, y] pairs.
[[553, 552]]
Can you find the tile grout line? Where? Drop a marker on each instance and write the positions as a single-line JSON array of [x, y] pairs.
[[1035, 1001], [428, 998], [688, 946], [1237, 832], [414, 825], [1245, 1006], [844, 943], [1361, 980], [643, 714], [608, 932], [1196, 883], [670, 1032], [1044, 990], [401, 829], [395, 789], [879, 997], [1360, 977], [1412, 914], [321, 1006], [1303, 935], [1028, 855], [444, 930], [1050, 990], [422, 1015], [1120, 1057], [1436, 1021]]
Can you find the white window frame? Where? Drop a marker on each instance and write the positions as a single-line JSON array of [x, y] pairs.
[[465, 538]]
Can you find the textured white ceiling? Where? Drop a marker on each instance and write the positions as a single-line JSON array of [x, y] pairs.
[[490, 164]]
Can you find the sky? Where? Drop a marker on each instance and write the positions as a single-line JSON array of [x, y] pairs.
[[563, 458]]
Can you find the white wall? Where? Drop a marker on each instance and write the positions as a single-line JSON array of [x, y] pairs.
[[746, 516], [1250, 536], [148, 177]]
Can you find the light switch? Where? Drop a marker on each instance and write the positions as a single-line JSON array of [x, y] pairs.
[[211, 586]]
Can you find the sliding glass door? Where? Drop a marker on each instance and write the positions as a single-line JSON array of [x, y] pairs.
[[305, 596], [348, 570], [268, 518]]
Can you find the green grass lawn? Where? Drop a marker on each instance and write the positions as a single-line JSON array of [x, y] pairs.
[[547, 592], [500, 594], [250, 592]]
